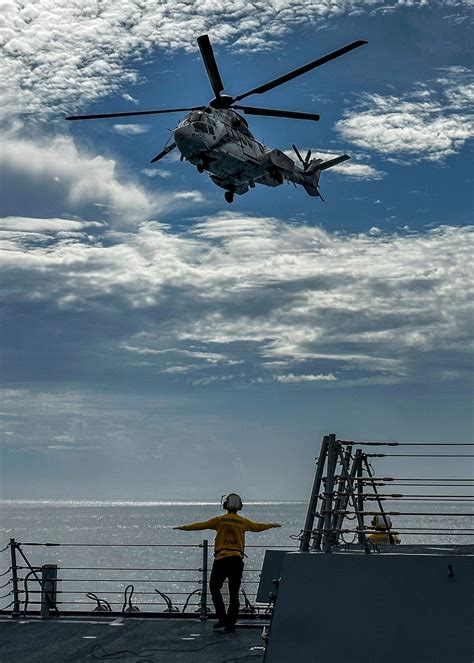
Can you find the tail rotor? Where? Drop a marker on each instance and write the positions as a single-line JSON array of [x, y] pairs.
[[306, 161]]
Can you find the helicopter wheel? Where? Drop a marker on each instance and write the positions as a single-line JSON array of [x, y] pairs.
[[229, 196], [200, 168]]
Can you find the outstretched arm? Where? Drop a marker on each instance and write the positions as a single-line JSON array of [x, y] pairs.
[[206, 524], [251, 526]]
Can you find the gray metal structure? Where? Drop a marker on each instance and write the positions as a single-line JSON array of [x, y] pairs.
[[348, 607], [403, 604], [49, 587], [271, 572], [328, 506], [217, 139]]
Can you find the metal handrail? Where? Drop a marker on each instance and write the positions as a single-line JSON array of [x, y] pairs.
[[196, 600]]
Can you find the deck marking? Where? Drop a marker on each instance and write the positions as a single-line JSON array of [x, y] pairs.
[[187, 638], [117, 622], [78, 622], [195, 635], [89, 637]]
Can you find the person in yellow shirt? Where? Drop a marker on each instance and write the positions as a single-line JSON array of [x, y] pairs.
[[382, 534], [229, 552]]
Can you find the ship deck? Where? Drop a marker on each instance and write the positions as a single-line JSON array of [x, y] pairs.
[[165, 640]]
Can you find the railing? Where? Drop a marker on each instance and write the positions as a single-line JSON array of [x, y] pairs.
[[175, 589], [346, 487]]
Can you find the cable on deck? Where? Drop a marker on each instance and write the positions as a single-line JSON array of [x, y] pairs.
[[102, 604]]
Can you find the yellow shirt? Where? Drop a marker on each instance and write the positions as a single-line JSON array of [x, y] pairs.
[[230, 536], [383, 537]]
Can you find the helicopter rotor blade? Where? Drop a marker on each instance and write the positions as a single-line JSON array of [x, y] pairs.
[[163, 153], [100, 116], [210, 63], [273, 112], [307, 157], [301, 70]]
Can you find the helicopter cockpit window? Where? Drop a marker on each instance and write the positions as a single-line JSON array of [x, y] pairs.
[[194, 117], [200, 126]]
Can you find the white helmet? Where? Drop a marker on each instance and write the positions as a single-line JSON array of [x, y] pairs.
[[232, 502], [380, 522]]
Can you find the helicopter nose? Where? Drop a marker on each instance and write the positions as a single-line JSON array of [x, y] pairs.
[[190, 139]]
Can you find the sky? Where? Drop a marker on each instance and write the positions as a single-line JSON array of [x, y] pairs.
[[157, 342]]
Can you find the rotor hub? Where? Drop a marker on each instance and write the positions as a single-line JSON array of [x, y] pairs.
[[222, 101]]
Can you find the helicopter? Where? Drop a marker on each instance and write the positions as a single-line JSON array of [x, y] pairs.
[[217, 139]]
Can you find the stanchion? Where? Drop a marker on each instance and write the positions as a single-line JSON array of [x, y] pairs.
[[15, 590], [205, 552]]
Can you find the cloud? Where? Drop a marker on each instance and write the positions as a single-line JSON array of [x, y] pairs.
[[58, 57], [131, 129], [432, 122], [291, 377], [156, 172], [276, 298], [53, 177], [29, 224], [128, 97], [193, 196]]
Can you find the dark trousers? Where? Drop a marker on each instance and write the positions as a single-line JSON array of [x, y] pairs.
[[228, 568]]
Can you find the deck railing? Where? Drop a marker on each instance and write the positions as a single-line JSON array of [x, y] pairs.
[[49, 584]]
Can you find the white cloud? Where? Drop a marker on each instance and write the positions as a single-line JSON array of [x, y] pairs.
[[193, 196], [430, 123], [131, 129], [284, 298], [52, 178], [156, 172], [211, 379], [56, 172], [58, 56], [128, 97], [291, 377], [29, 224]]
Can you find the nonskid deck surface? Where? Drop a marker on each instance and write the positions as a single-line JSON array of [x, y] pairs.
[[69, 639]]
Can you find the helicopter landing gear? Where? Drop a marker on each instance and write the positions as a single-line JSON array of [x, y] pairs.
[[229, 196], [200, 167]]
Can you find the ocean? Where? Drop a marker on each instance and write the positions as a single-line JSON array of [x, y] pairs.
[[107, 545]]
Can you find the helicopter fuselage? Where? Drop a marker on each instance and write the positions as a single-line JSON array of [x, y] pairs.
[[219, 141]]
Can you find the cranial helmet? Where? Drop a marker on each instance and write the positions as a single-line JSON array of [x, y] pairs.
[[378, 522], [232, 502]]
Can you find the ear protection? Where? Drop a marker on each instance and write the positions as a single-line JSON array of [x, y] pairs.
[[378, 521], [232, 501]]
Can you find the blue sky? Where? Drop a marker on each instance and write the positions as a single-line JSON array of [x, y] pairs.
[[157, 342]]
